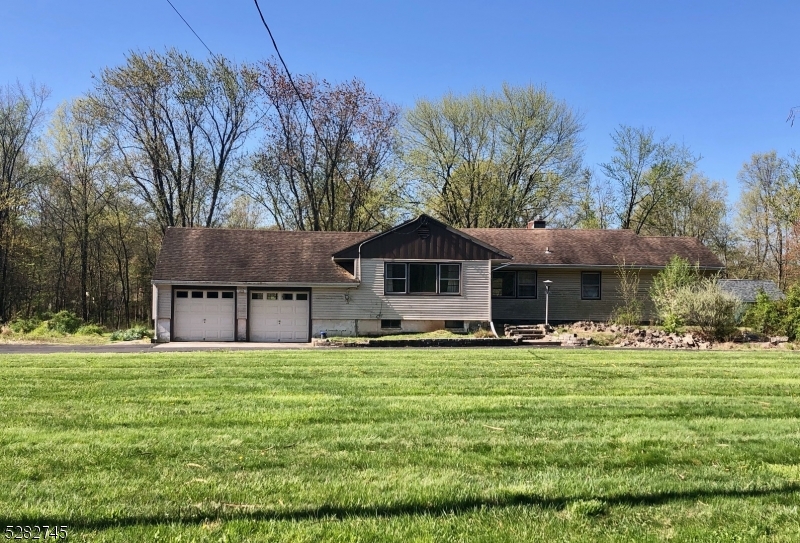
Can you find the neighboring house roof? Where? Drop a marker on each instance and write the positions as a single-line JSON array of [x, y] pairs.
[[747, 289], [424, 238], [253, 256], [564, 247]]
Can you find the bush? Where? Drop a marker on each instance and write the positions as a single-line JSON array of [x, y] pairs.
[[776, 317], [676, 275], [64, 322], [629, 311], [24, 326], [131, 334], [707, 306], [89, 330]]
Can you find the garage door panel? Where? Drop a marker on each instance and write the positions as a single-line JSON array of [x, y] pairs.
[[200, 317], [280, 317]]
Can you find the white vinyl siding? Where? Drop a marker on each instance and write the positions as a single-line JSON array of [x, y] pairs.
[[368, 301]]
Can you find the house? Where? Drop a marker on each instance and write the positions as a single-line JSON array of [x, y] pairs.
[[747, 289], [268, 285]]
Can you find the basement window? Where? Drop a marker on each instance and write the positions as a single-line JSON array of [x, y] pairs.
[[454, 325], [390, 323]]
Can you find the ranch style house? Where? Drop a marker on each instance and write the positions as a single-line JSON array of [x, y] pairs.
[[215, 284]]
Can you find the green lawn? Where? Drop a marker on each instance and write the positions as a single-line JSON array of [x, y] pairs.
[[404, 445]]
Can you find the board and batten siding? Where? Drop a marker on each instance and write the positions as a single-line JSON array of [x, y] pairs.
[[565, 298], [368, 301]]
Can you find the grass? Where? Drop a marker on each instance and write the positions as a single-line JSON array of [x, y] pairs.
[[404, 445]]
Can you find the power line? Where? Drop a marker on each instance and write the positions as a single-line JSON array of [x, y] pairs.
[[299, 94], [192, 29]]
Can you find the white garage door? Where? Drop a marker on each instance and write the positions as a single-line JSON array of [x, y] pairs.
[[204, 315], [278, 316]]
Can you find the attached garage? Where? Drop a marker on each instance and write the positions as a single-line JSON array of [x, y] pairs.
[[279, 316], [204, 315]]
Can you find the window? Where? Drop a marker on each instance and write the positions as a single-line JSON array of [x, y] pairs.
[[301, 296], [590, 285], [526, 284], [227, 294], [287, 296], [390, 323], [257, 296], [212, 294], [182, 294], [197, 294], [422, 278], [449, 279], [395, 279], [454, 325], [503, 284], [272, 295]]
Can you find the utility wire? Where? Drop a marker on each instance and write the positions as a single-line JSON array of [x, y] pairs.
[[299, 94], [192, 29]]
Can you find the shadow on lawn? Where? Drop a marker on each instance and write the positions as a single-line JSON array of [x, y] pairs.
[[239, 512]]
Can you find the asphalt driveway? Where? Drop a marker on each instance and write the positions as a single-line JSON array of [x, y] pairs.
[[50, 348]]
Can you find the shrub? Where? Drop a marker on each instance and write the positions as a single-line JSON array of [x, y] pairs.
[[776, 317], [131, 334], [24, 326], [676, 275], [764, 316], [707, 306], [64, 322], [629, 311], [89, 330]]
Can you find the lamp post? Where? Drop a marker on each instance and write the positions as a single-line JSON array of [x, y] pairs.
[[547, 284]]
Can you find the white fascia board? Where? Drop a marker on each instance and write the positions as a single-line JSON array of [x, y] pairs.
[[251, 284]]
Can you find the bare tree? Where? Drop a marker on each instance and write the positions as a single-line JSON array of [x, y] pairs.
[[178, 125], [323, 164], [21, 115], [644, 172]]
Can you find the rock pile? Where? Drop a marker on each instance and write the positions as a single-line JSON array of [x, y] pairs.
[[634, 336]]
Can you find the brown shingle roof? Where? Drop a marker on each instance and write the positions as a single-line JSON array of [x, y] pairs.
[[257, 256], [593, 247]]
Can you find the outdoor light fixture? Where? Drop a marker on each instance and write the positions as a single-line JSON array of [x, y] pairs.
[[547, 283]]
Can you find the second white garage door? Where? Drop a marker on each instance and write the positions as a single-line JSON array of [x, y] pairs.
[[278, 316]]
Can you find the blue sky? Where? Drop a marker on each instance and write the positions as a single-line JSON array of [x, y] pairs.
[[717, 76]]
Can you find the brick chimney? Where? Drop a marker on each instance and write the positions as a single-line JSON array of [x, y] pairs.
[[538, 222]]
